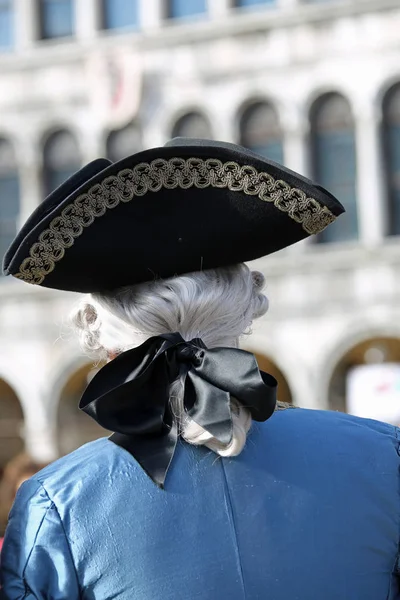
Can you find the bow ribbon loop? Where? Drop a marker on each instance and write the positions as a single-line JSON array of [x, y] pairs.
[[131, 395]]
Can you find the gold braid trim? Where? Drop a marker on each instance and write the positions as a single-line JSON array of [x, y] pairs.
[[152, 177], [283, 406]]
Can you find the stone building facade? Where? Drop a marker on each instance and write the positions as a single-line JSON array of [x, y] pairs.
[[315, 84]]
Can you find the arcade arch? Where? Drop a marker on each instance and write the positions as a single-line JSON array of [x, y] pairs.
[[345, 388], [74, 427], [267, 365]]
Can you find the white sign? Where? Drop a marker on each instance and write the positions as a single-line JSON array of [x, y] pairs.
[[373, 391]]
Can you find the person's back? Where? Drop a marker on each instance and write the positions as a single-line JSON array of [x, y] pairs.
[[310, 509], [178, 503]]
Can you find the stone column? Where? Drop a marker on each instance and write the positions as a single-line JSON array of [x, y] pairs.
[[27, 24], [151, 14], [219, 9], [296, 132], [30, 189], [371, 196], [30, 172], [39, 425], [295, 148], [88, 19], [41, 440]]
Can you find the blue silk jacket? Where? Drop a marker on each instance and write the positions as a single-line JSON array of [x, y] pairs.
[[309, 511]]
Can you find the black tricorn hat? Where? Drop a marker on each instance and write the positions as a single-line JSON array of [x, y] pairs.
[[188, 206]]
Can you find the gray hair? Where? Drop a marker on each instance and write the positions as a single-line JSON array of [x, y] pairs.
[[216, 305]]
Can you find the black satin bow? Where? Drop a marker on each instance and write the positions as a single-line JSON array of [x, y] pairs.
[[131, 395]]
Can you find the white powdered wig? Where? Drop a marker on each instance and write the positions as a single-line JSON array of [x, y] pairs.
[[217, 305]]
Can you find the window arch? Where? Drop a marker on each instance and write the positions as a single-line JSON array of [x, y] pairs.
[[61, 158], [391, 140], [260, 131], [333, 154], [123, 142], [192, 125], [9, 195]]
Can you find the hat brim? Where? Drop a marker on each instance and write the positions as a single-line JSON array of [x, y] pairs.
[[188, 206]]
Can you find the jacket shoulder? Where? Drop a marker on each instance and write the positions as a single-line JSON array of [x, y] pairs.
[[340, 423], [335, 439], [92, 462]]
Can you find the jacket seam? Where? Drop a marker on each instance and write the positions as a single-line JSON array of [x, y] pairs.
[[33, 546], [231, 515], [53, 505]]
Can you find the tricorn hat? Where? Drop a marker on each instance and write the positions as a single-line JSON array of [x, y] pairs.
[[187, 206]]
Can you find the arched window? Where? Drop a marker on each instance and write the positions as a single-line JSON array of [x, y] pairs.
[[124, 142], [391, 138], [9, 196], [56, 18], [260, 131], [192, 125], [120, 14], [333, 151], [61, 159], [185, 8], [6, 24]]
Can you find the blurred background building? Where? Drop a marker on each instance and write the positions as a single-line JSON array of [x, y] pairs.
[[312, 84]]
